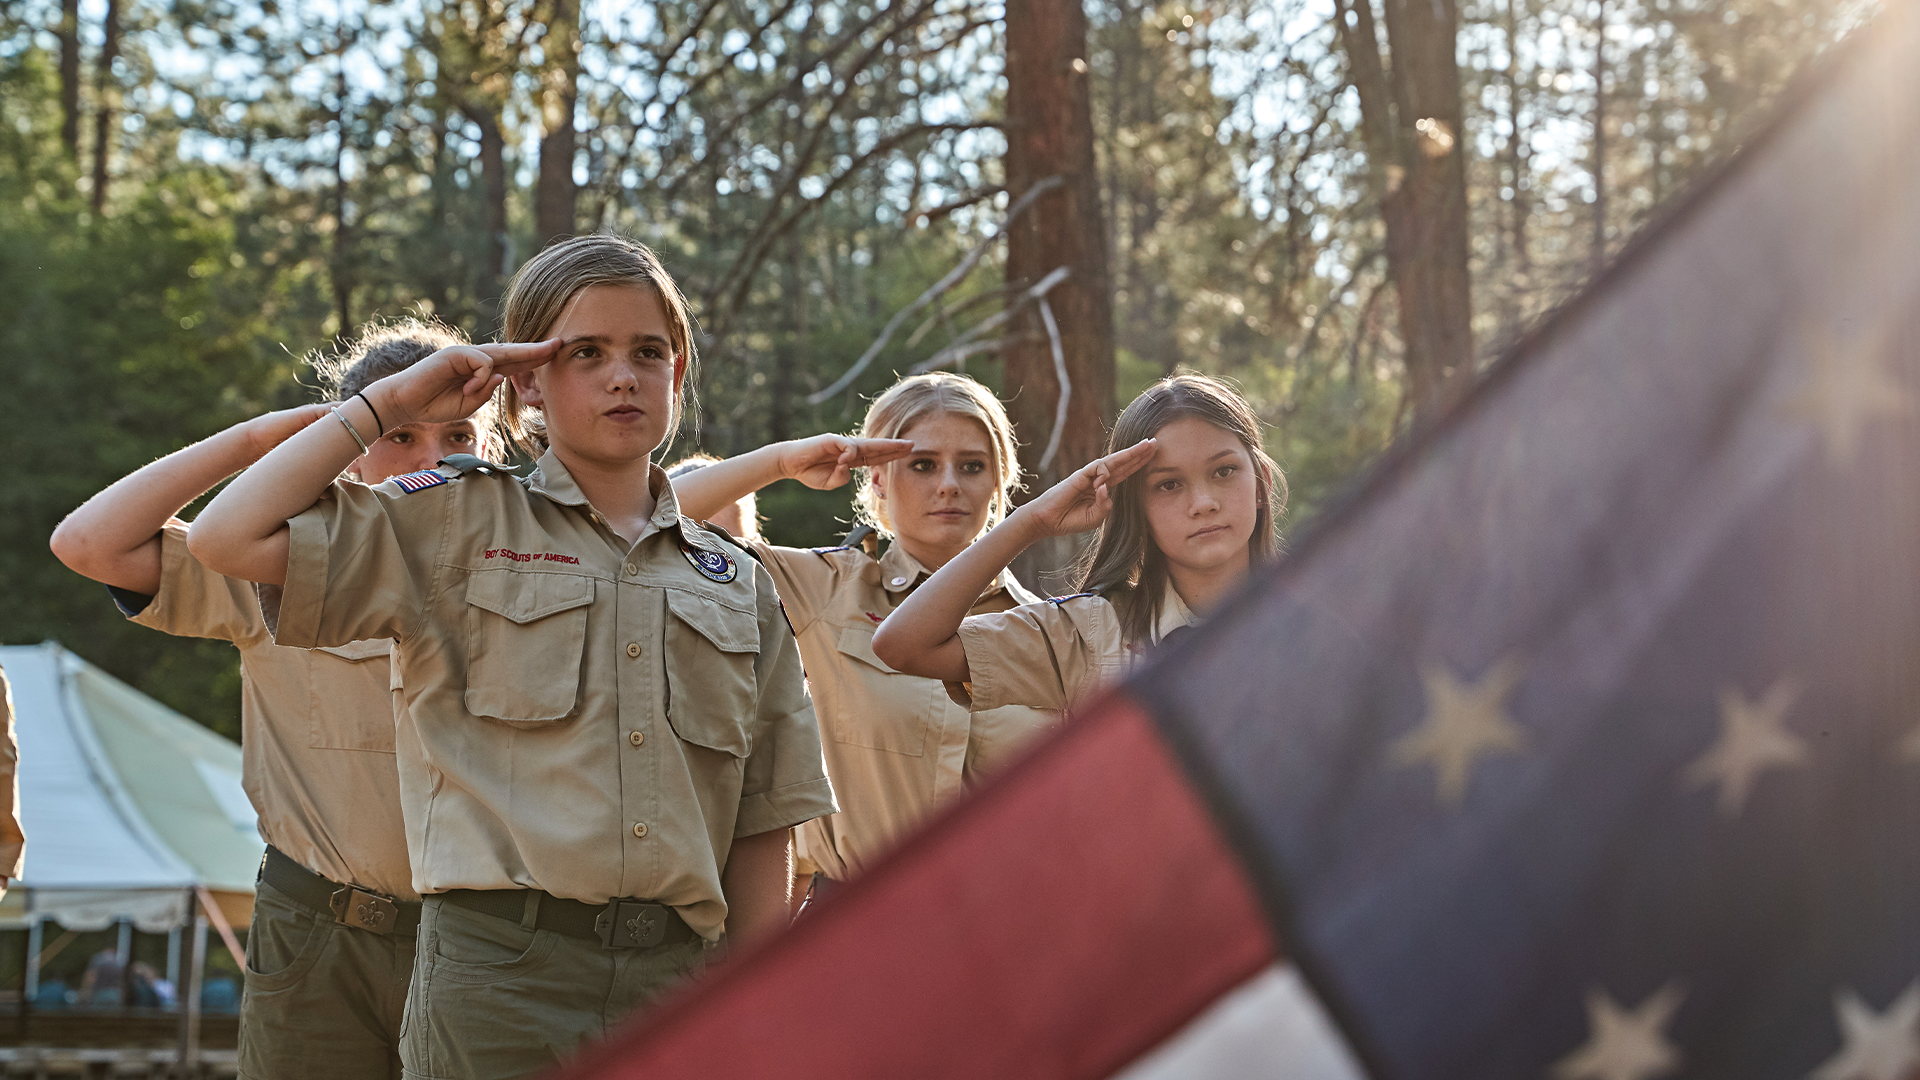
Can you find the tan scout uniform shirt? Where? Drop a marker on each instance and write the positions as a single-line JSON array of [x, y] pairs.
[[316, 728], [896, 744], [1052, 654], [13, 845], [584, 716]]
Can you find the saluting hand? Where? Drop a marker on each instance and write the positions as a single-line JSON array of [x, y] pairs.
[[828, 461], [1082, 501], [268, 430], [453, 383]]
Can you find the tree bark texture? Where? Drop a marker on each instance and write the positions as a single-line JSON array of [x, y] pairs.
[[1050, 133], [103, 102], [69, 35], [555, 195], [1412, 123]]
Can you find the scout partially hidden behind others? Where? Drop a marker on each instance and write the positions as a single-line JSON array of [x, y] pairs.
[[335, 912], [603, 744]]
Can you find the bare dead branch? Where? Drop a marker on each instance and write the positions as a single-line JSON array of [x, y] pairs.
[[1060, 373], [961, 345], [952, 278]]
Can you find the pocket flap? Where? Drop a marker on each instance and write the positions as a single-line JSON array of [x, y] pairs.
[[728, 628], [357, 651], [857, 642], [525, 597]]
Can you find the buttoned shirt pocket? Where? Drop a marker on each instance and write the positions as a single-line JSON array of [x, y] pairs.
[[526, 634], [899, 710], [711, 687], [340, 671]]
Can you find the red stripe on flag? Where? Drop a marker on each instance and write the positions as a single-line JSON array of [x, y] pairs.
[[1064, 921]]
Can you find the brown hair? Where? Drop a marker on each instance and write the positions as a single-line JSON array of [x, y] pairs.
[[540, 291], [386, 348], [1124, 562], [917, 397]]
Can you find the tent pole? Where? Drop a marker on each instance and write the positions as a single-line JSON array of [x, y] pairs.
[[190, 998], [123, 955], [36, 937], [173, 961]]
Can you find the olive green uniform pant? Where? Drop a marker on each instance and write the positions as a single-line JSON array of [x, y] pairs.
[[492, 1000], [323, 1001]]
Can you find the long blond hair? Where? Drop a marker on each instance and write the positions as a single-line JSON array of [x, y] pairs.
[[917, 397], [539, 294]]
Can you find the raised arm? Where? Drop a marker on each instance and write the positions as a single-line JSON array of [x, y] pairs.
[[114, 537], [922, 636], [243, 532], [823, 461]]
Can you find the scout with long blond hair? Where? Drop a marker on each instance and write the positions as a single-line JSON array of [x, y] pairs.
[[605, 736], [937, 463]]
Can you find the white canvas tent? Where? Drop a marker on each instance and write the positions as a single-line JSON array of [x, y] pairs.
[[128, 807]]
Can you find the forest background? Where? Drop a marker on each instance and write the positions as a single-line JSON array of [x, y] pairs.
[[1345, 206]]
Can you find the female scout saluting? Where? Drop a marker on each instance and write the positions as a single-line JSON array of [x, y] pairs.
[[1184, 511], [335, 913], [606, 736], [939, 457]]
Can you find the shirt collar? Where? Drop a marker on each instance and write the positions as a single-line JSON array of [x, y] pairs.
[[900, 572], [1173, 614], [551, 479]]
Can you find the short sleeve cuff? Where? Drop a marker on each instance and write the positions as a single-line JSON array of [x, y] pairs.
[[783, 808], [305, 592], [982, 690]]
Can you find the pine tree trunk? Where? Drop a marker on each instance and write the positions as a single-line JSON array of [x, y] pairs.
[[555, 195], [1050, 133], [493, 182], [103, 103], [1412, 120], [69, 35]]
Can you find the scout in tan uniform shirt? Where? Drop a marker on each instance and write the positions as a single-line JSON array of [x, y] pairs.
[[941, 457], [605, 735], [331, 948], [1184, 511]]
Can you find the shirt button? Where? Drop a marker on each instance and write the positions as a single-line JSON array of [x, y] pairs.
[[897, 582], [633, 649], [639, 828], [636, 738], [632, 570]]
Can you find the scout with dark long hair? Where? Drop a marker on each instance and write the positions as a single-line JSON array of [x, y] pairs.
[[1187, 504]]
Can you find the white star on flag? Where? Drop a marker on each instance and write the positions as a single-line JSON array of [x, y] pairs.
[[1463, 722], [1753, 738], [1846, 388], [1624, 1044], [1877, 1046]]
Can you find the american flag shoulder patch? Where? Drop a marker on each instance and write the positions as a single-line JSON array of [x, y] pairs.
[[419, 481]]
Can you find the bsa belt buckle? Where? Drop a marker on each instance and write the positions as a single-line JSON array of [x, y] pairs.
[[630, 924], [364, 910]]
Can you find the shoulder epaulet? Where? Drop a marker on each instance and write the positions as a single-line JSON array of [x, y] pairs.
[[1097, 590], [466, 463], [854, 539]]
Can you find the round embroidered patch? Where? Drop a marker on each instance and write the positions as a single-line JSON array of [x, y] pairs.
[[712, 565]]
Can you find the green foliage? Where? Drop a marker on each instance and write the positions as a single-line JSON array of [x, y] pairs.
[[128, 336]]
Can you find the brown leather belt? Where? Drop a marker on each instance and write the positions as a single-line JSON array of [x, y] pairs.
[[349, 905], [618, 924]]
